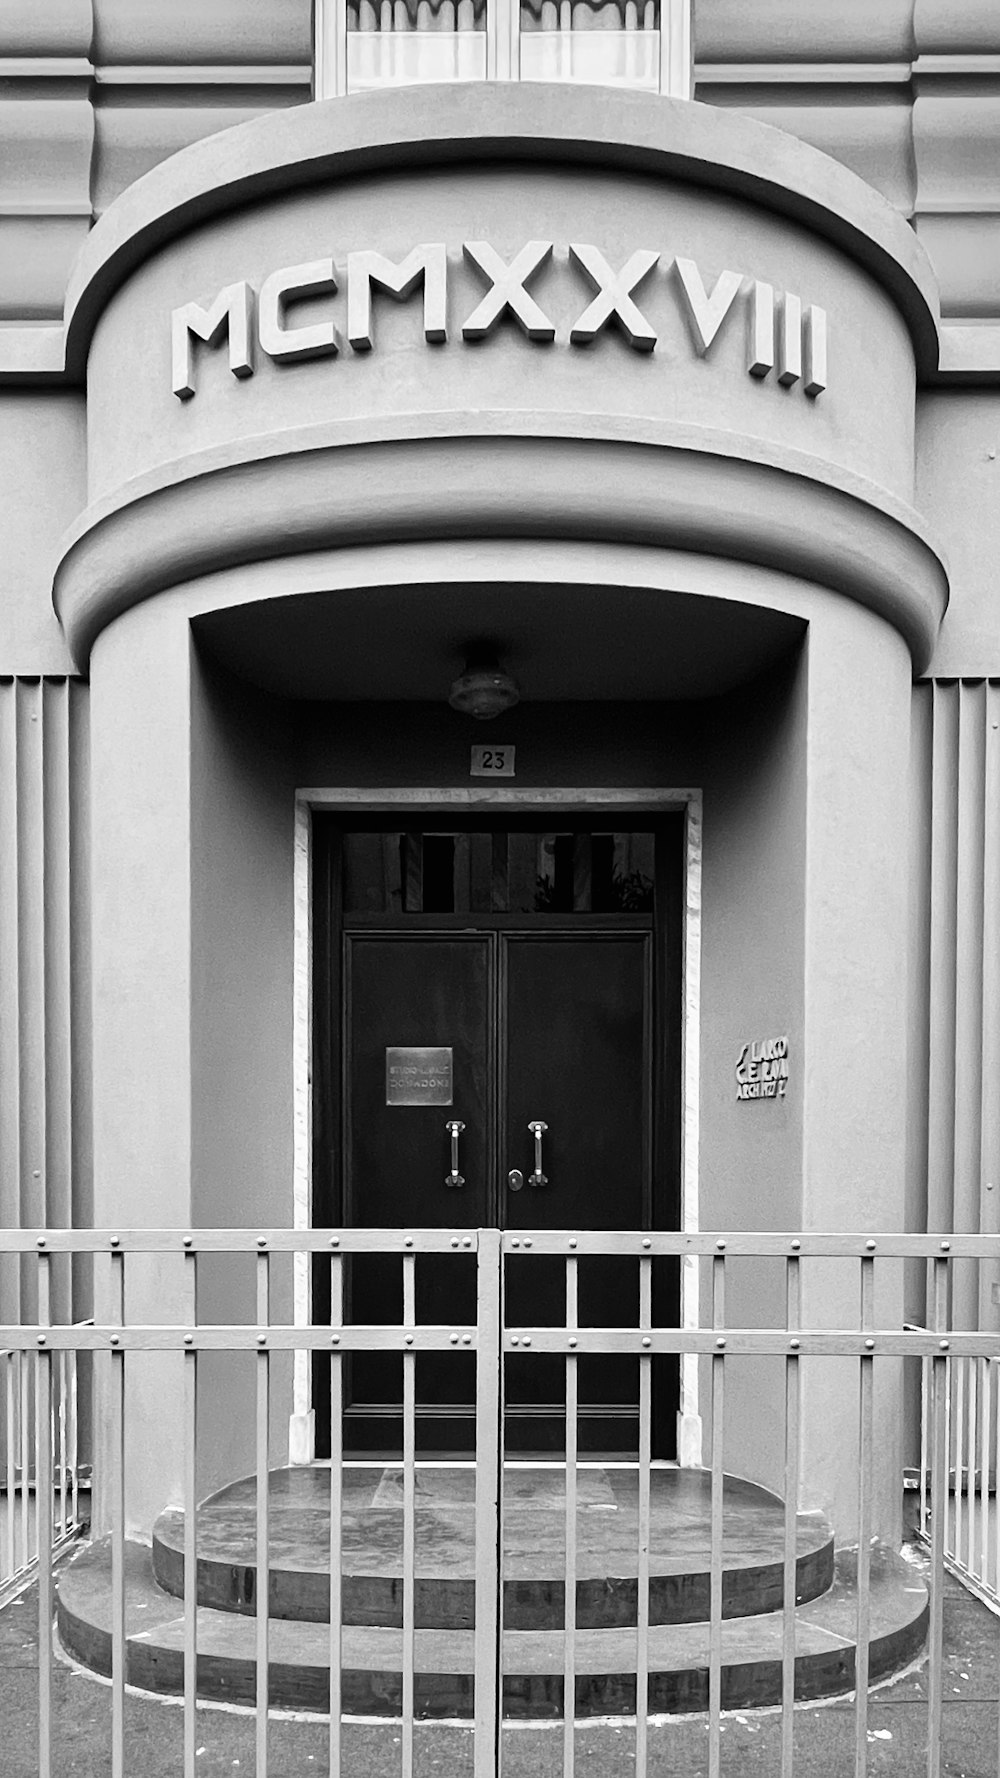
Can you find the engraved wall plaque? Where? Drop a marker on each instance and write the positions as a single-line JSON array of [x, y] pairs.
[[418, 1077]]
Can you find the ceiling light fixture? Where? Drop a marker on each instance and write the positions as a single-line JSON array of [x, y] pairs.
[[483, 689]]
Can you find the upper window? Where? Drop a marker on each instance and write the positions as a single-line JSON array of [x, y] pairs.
[[642, 44]]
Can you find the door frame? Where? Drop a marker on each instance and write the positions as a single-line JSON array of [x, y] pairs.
[[497, 801]]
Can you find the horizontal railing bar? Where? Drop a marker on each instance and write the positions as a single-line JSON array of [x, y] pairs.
[[757, 1342], [582, 1242], [242, 1337], [671, 1243], [251, 1240]]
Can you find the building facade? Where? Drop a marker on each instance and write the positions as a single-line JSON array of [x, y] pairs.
[[655, 359]]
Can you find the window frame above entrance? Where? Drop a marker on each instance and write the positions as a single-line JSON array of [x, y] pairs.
[[668, 70]]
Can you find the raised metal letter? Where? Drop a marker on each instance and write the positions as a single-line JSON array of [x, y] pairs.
[[790, 340], [400, 281], [761, 330], [232, 313], [508, 291], [614, 301], [815, 351], [706, 313], [288, 344]]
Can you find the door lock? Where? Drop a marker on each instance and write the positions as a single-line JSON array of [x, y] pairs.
[[454, 1178], [515, 1179], [538, 1177]]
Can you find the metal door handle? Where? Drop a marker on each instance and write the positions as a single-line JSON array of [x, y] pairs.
[[538, 1177], [454, 1178]]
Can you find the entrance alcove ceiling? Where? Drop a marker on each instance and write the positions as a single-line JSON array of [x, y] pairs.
[[561, 642]]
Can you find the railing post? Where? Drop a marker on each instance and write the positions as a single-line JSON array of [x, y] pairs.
[[488, 1702]]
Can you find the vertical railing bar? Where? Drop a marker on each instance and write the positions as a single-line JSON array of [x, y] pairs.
[[263, 1594], [12, 1366], [644, 1479], [715, 1610], [956, 1396], [793, 1319], [569, 1590], [74, 1438], [409, 1513], [925, 1433], [986, 1398], [24, 1406], [997, 1483], [939, 1514], [488, 1675], [866, 1422], [190, 1490], [336, 1515], [59, 1456], [971, 1443], [43, 1512], [117, 1484]]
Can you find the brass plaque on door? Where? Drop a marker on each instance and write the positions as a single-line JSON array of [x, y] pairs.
[[418, 1077]]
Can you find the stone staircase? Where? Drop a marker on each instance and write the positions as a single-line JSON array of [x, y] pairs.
[[534, 1596]]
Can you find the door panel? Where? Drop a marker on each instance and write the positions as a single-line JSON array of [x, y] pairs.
[[404, 992], [578, 1034]]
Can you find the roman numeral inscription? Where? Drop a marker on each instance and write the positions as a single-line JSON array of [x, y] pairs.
[[787, 340]]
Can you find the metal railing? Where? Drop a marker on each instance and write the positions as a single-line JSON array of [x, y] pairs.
[[966, 1512], [809, 1320], [23, 1475]]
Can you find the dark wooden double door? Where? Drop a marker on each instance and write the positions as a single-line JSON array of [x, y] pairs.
[[496, 1019]]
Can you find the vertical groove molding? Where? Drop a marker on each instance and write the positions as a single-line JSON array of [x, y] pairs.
[[45, 1167], [959, 1056]]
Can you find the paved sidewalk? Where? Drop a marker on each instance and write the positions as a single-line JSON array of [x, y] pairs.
[[824, 1736]]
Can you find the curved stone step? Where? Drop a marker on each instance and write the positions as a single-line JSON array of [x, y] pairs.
[[532, 1660], [534, 1547]]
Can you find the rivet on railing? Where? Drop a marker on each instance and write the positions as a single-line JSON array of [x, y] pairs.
[[647, 1341], [647, 1242], [466, 1339], [527, 1243], [468, 1241], [41, 1241], [946, 1247], [408, 1341], [262, 1240], [454, 1240], [869, 1345], [796, 1246], [721, 1245], [794, 1345], [515, 1243], [409, 1241], [189, 1339], [334, 1240], [41, 1339], [573, 1243], [262, 1339], [187, 1241], [945, 1344], [720, 1344], [454, 1339], [869, 1246], [574, 1342], [335, 1339], [115, 1340], [115, 1241], [514, 1340], [527, 1340]]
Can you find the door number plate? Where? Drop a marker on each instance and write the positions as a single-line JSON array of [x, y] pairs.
[[492, 762]]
